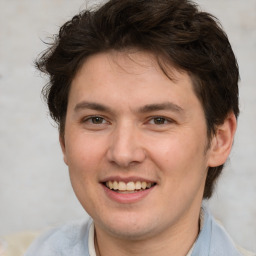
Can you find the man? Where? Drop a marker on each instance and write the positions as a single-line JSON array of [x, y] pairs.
[[145, 93]]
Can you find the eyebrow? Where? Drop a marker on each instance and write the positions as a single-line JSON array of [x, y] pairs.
[[144, 109], [162, 106], [91, 105]]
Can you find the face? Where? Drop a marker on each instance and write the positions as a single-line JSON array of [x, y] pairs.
[[135, 144]]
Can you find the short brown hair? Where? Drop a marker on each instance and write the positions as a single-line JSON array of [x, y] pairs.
[[174, 30]]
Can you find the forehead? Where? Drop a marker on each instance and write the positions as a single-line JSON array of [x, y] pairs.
[[132, 61], [133, 76], [129, 62]]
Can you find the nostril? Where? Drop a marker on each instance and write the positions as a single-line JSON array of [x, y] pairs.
[[125, 151]]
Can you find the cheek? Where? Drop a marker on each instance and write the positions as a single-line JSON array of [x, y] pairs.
[[175, 148], [84, 149], [183, 168], [84, 156], [180, 157]]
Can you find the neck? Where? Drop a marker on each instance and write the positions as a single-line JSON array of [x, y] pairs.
[[178, 242]]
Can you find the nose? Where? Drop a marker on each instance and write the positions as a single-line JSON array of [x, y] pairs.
[[126, 147]]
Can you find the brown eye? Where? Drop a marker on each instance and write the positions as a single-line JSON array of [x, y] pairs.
[[97, 120], [159, 120], [94, 120]]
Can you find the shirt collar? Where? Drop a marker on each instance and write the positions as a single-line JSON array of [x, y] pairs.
[[92, 251]]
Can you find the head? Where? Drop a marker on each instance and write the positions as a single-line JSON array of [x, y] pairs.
[[176, 32]]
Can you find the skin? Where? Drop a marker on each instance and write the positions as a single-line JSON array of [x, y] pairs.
[[127, 120]]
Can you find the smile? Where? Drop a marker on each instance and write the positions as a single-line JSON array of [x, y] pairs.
[[129, 187]]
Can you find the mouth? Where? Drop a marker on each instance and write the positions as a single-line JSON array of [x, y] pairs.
[[129, 187]]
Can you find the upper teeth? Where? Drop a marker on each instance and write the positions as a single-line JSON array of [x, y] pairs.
[[130, 186]]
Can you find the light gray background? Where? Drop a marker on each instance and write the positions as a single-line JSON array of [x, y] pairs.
[[34, 185]]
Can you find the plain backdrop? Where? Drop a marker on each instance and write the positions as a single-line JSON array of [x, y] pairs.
[[35, 191]]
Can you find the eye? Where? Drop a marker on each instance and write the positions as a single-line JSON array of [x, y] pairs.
[[95, 120], [159, 120]]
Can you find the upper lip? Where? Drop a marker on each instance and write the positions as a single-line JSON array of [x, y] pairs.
[[127, 179]]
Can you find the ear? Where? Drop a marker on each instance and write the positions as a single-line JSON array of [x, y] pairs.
[[222, 142], [63, 148]]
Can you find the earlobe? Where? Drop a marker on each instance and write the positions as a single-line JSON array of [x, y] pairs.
[[222, 141], [63, 148]]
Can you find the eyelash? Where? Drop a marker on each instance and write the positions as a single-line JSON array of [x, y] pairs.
[[91, 118], [160, 118], [151, 121]]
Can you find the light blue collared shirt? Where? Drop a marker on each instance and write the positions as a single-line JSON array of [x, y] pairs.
[[73, 240]]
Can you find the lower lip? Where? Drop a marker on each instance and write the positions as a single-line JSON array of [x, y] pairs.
[[127, 198]]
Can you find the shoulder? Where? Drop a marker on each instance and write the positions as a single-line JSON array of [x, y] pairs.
[[213, 239], [224, 238], [70, 239], [245, 252], [16, 243]]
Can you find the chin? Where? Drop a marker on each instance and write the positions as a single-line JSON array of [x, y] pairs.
[[132, 229], [134, 234]]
